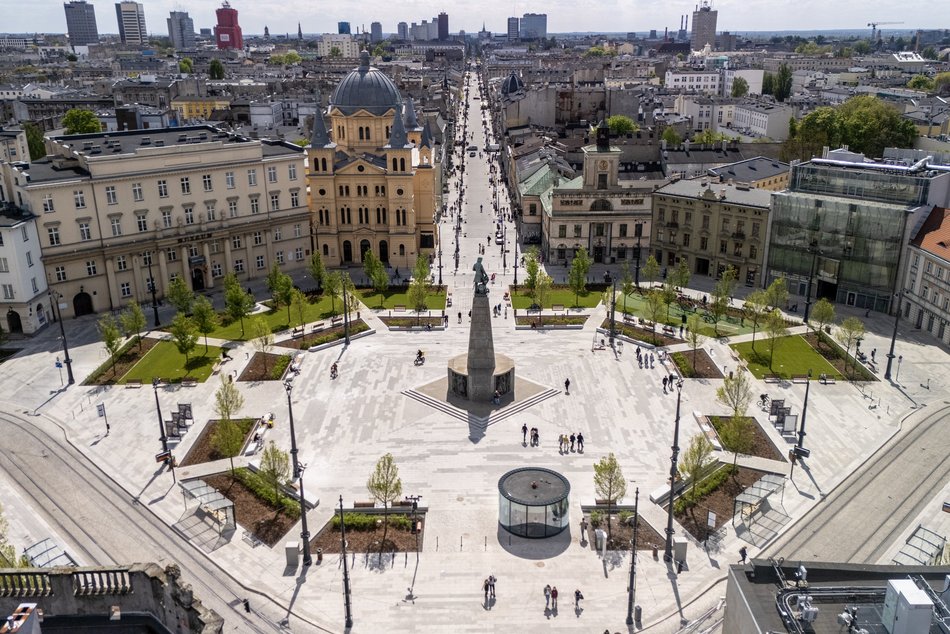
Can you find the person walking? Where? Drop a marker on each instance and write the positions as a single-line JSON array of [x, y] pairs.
[[524, 434], [554, 598], [577, 598], [580, 442], [664, 384], [547, 596], [491, 585], [567, 386], [743, 553], [485, 588], [573, 438]]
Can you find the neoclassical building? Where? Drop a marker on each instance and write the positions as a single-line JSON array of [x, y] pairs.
[[374, 181]]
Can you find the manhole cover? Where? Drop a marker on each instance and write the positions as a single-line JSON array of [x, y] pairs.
[[540, 564], [459, 498]]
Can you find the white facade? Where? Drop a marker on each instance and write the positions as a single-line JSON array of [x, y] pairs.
[[24, 306], [763, 120], [705, 82], [349, 48], [753, 77]]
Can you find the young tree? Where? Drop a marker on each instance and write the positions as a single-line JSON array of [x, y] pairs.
[[185, 65], [823, 312], [656, 301], [419, 286], [202, 313], [735, 393], [185, 336], [777, 293], [542, 288], [696, 460], [333, 286], [669, 293], [693, 336], [79, 121], [721, 294], [531, 268], [849, 332], [238, 303], [228, 439], [620, 124], [672, 138], [681, 275], [776, 329], [376, 272], [609, 483], [216, 70], [263, 337], [736, 435], [651, 270], [179, 295], [298, 301], [111, 336], [133, 322], [577, 275], [385, 486], [740, 87], [756, 307], [627, 286], [275, 468], [782, 86], [316, 268], [227, 399]]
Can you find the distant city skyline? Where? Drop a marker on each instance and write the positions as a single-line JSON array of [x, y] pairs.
[[282, 16]]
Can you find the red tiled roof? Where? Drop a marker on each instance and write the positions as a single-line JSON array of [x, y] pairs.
[[934, 235]]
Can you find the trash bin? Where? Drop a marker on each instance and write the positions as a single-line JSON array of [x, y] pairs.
[[637, 614], [319, 555]]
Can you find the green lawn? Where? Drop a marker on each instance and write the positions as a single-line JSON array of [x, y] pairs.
[[558, 295], [165, 362], [277, 319], [399, 297], [728, 326], [793, 356]]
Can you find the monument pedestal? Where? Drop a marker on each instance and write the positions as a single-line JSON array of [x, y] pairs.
[[478, 375], [501, 379]]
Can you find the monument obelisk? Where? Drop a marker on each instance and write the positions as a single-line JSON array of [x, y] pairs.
[[481, 347]]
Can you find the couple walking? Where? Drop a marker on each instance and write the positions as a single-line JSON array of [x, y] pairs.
[[550, 598]]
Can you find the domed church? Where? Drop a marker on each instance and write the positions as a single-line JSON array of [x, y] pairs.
[[374, 184]]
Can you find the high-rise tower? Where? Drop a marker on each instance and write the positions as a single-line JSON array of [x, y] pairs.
[[443, 26], [181, 31], [704, 26], [227, 32], [131, 18], [81, 23]]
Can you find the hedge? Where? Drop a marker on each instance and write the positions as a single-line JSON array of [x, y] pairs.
[[367, 521], [263, 490], [277, 372], [706, 486], [683, 365], [355, 328]]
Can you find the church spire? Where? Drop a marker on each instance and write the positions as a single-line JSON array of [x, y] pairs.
[[320, 137], [397, 135]]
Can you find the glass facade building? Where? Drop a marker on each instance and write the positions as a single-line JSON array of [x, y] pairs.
[[844, 227], [533, 502]]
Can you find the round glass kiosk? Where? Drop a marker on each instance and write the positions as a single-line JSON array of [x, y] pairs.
[[533, 502]]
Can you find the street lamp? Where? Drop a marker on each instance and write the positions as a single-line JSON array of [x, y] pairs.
[[899, 359], [298, 473], [54, 301], [161, 423], [516, 260], [668, 550], [151, 287], [346, 310], [897, 321], [348, 623], [815, 251], [801, 428], [632, 589], [639, 231]]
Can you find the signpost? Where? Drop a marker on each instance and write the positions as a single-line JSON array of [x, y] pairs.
[[710, 525], [59, 366], [101, 410]]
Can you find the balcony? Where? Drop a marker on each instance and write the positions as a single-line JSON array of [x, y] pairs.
[[673, 225]]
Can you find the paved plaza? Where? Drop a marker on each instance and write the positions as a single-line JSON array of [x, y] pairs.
[[345, 425]]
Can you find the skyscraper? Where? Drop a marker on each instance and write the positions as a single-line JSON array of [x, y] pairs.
[[534, 26], [512, 29], [443, 26], [343, 28], [227, 33], [81, 23], [375, 32], [131, 18], [704, 27], [181, 30], [402, 31]]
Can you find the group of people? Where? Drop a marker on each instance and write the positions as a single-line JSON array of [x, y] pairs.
[[567, 443], [550, 598], [489, 587], [535, 436]]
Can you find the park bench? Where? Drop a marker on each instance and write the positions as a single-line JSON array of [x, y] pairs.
[[250, 539], [133, 383], [336, 321], [318, 326], [827, 380], [297, 332], [399, 308], [189, 383], [799, 378], [772, 378], [364, 505], [557, 307], [669, 330]]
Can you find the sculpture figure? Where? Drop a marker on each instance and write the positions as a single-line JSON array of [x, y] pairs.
[[481, 278]]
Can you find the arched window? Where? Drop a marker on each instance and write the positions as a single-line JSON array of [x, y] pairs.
[[326, 250], [601, 204], [402, 165], [402, 249], [361, 133], [394, 165], [367, 133], [323, 164]]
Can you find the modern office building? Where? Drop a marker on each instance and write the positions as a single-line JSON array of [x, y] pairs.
[[443, 26], [512, 29], [181, 31], [81, 23], [114, 210], [227, 32], [343, 28], [375, 185], [402, 31], [704, 27], [844, 224], [131, 18], [534, 26], [375, 32]]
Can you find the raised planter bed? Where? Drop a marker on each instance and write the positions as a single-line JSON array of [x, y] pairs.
[[399, 536], [762, 445], [262, 519], [273, 369], [721, 501], [325, 335], [203, 449], [704, 368]]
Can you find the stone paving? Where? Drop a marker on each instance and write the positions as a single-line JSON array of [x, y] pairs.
[[345, 425]]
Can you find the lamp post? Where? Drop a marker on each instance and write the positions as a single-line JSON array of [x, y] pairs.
[[814, 260], [504, 247], [161, 423], [639, 235], [151, 287], [346, 310], [801, 428], [632, 589], [897, 321], [668, 550], [613, 312], [346, 572], [54, 300], [438, 228], [516, 260], [298, 474], [898, 373]]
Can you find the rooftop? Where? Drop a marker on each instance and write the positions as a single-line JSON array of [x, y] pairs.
[[736, 194], [11, 215], [750, 170], [934, 234]]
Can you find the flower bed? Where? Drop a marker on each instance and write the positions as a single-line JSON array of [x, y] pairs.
[[364, 533]]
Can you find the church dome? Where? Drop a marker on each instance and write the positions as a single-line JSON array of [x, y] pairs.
[[512, 84], [365, 88]]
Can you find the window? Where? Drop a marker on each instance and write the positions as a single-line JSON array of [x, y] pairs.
[[239, 266], [916, 260], [236, 242], [280, 257], [147, 258], [216, 270], [705, 223], [137, 194], [48, 204], [661, 215], [60, 273], [121, 263], [252, 177], [8, 291], [294, 199], [298, 254], [260, 262], [185, 185], [599, 229], [111, 198], [214, 246], [192, 251], [229, 180], [29, 258], [723, 247], [163, 189], [206, 182], [232, 209], [210, 211], [297, 230], [577, 231], [79, 197], [85, 233], [562, 231], [116, 226], [930, 267], [623, 230], [725, 225], [737, 250], [753, 251], [292, 171], [189, 215], [141, 223], [755, 230], [685, 239], [125, 289], [4, 266], [687, 217], [272, 174], [167, 219], [90, 267], [255, 205], [53, 233], [171, 254], [277, 233], [33, 283], [258, 238], [703, 243], [274, 202]]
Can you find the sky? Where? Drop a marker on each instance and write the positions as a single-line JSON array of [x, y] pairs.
[[282, 16]]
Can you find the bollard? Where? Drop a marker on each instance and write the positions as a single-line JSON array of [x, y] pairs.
[[319, 555]]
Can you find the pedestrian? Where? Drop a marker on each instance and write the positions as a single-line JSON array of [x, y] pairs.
[[567, 386], [873, 352], [485, 588], [743, 553], [524, 434], [554, 598], [469, 314], [460, 316], [577, 598], [580, 442], [547, 596], [638, 353], [247, 605], [672, 380], [681, 331], [491, 585], [651, 359], [664, 384], [573, 439]]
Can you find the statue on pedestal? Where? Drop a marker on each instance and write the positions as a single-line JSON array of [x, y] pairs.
[[481, 278]]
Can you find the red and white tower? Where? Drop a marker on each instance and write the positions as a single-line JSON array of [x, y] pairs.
[[227, 32]]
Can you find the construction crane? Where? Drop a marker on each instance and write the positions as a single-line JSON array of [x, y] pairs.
[[874, 31]]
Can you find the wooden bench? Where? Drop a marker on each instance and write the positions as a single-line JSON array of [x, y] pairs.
[[772, 378], [557, 307], [318, 326], [336, 321], [133, 383], [297, 332], [189, 383], [364, 505], [399, 308], [799, 378], [827, 380], [669, 330]]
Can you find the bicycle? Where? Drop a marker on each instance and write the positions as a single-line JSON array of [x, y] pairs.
[[764, 401]]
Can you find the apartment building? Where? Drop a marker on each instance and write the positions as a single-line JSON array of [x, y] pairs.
[[926, 298], [702, 81], [115, 210], [24, 306]]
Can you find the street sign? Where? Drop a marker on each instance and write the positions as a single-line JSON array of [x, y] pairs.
[[710, 519], [101, 410], [63, 305], [59, 364], [801, 452], [163, 456]]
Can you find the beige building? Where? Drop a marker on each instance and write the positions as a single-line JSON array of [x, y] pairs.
[[115, 209], [713, 226], [595, 212], [374, 183]]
